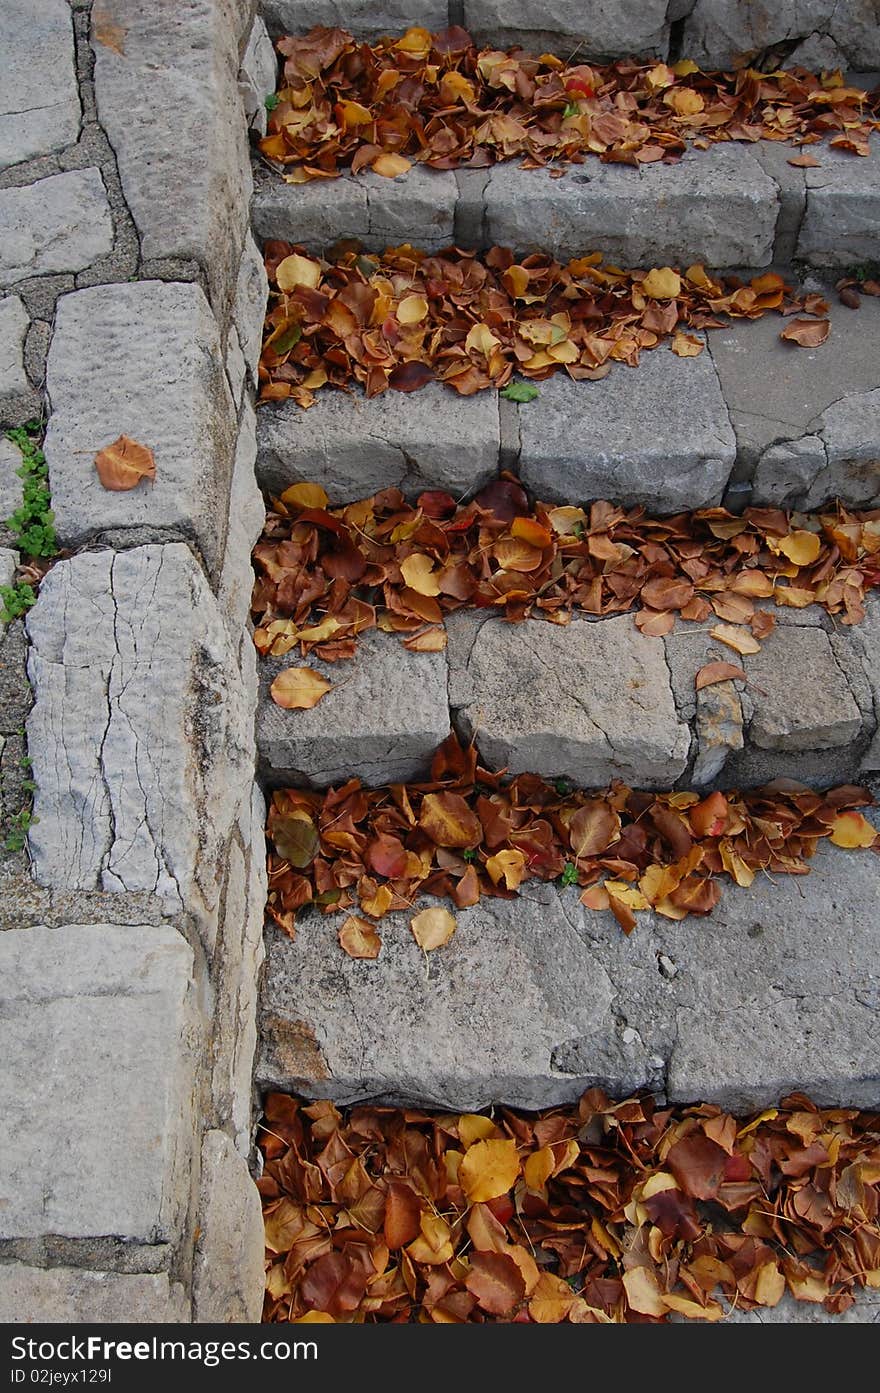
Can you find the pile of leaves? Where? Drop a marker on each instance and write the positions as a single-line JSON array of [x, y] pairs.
[[469, 832], [599, 1212], [434, 99], [405, 318], [324, 575]]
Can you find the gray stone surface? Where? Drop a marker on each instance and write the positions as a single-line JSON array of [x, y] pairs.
[[39, 104], [73, 1295], [247, 513], [416, 207], [381, 722], [717, 206], [170, 104], [10, 483], [658, 434], [140, 360], [141, 734], [718, 730], [228, 1275], [536, 998], [249, 306], [597, 28], [59, 224], [591, 701], [363, 18], [8, 563], [867, 636], [802, 700], [841, 225], [236, 368], [727, 33], [18, 400], [355, 446], [866, 1311], [258, 75], [98, 1081]]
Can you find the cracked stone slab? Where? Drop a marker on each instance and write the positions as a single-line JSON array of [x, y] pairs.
[[590, 701], [355, 446], [18, 400], [537, 998], [716, 206], [790, 1311], [867, 637], [39, 102], [366, 19], [249, 306], [168, 99], [228, 1275], [597, 28], [98, 1043], [658, 434], [258, 75], [141, 360], [383, 719], [76, 1295], [62, 223], [141, 730], [418, 208], [729, 33], [841, 225]]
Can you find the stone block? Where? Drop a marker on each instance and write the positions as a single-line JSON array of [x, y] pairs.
[[18, 400], [867, 637], [418, 207], [39, 105], [588, 701], [363, 18], [228, 1276], [169, 102], [249, 306], [59, 224], [11, 483], [141, 360], [801, 698], [717, 206], [99, 1067], [355, 446], [381, 722], [141, 733], [247, 513], [597, 29], [729, 33], [258, 75], [658, 434], [536, 998], [841, 225], [76, 1296]]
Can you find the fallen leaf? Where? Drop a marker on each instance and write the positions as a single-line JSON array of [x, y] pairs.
[[853, 830], [808, 333], [662, 283], [359, 939], [490, 1168], [297, 270], [736, 637], [804, 161], [298, 688], [711, 673], [432, 928], [305, 496], [801, 547], [122, 465]]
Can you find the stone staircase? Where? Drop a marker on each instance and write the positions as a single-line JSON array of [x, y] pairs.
[[536, 998]]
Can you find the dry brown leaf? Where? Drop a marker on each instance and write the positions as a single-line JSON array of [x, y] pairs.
[[807, 333], [358, 938], [298, 688], [736, 637], [122, 465], [711, 673]]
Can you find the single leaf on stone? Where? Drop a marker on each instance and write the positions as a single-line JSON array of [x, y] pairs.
[[736, 637], [801, 547], [296, 270], [449, 822], [663, 283], [490, 1168], [296, 838], [298, 689], [122, 465], [711, 673], [432, 640], [804, 161], [432, 928], [305, 495], [390, 165], [853, 830], [359, 939], [519, 391], [807, 333], [687, 345]]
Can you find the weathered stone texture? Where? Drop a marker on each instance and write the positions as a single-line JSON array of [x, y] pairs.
[[140, 360], [141, 734], [658, 434], [417, 207], [802, 700], [247, 513], [355, 446], [867, 636], [598, 28], [363, 18], [228, 1279], [728, 33], [59, 224], [590, 701], [841, 225], [97, 1043], [77, 1296], [258, 74], [18, 400], [381, 722], [168, 99], [717, 206], [39, 104], [249, 306]]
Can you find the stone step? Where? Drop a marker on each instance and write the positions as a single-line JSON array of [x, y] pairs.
[[794, 426], [591, 701], [536, 998], [731, 205], [715, 33]]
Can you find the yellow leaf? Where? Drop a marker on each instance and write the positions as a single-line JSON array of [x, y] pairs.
[[685, 1307], [661, 284], [297, 270], [626, 894], [509, 864], [793, 596], [736, 637], [551, 1300], [684, 101], [538, 1168], [481, 339], [455, 87], [389, 166], [684, 67], [852, 830], [490, 1168], [766, 1116], [298, 688], [801, 547], [687, 345], [516, 278], [565, 519], [659, 77], [122, 465], [319, 633], [359, 939], [770, 1285], [412, 309], [643, 1291], [305, 496], [418, 572], [379, 904], [473, 1127], [353, 114], [314, 1318], [432, 928], [432, 1246]]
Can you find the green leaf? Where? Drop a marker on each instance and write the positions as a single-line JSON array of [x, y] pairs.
[[520, 391], [572, 109], [569, 875], [271, 101]]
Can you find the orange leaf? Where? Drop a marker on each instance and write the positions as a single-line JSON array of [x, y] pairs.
[[489, 1169], [852, 830], [808, 333], [122, 465], [717, 672], [298, 689], [359, 939], [448, 820]]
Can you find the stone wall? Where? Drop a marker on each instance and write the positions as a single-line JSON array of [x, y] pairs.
[[131, 927]]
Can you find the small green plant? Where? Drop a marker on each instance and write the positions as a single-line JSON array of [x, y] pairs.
[[15, 600], [572, 109], [469, 854], [33, 524], [19, 825], [520, 391], [562, 786], [569, 875], [271, 101]]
